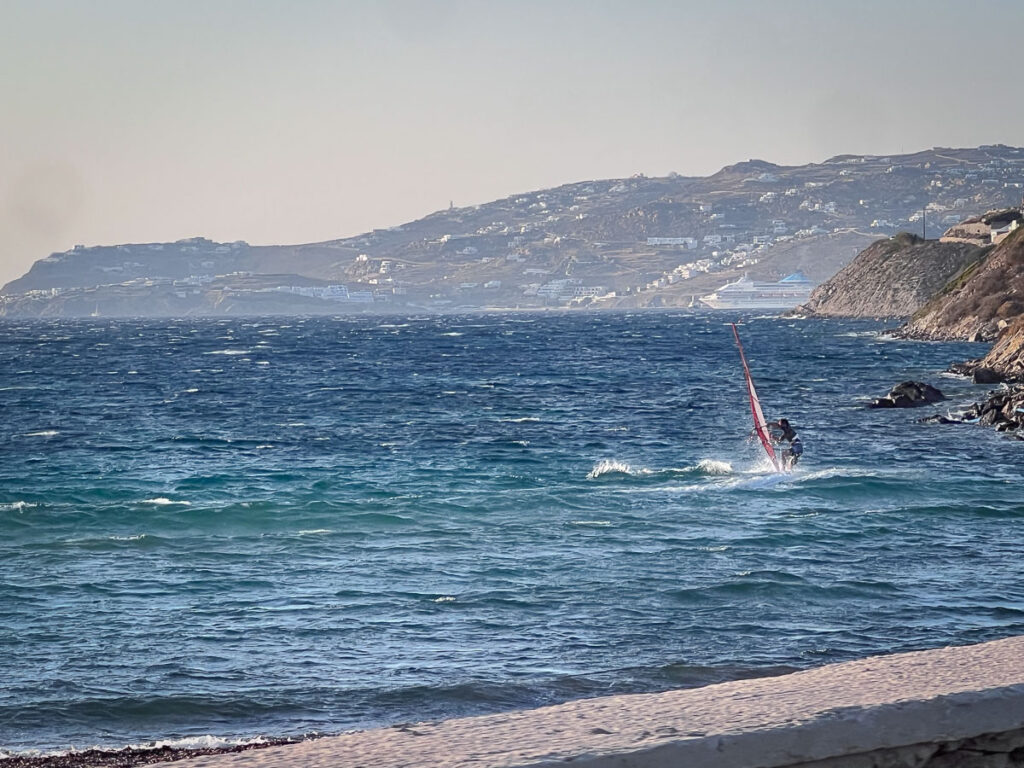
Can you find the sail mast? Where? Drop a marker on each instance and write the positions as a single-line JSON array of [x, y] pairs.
[[760, 424]]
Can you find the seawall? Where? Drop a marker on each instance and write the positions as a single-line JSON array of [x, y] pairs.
[[959, 707]]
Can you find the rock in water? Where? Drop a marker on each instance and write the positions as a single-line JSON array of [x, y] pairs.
[[909, 394], [1004, 410]]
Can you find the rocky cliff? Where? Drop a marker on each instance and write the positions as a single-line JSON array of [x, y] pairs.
[[1004, 361], [1007, 355], [894, 277], [980, 303]]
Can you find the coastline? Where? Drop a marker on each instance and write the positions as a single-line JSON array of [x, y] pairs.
[[128, 757], [906, 708], [954, 706]]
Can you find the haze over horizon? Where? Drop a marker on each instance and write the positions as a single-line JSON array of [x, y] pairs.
[[278, 123]]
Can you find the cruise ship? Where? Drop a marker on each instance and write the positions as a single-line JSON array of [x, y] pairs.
[[789, 292]]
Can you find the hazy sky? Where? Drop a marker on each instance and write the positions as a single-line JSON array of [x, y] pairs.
[[301, 120]]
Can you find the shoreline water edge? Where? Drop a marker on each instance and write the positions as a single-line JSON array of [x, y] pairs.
[[946, 707]]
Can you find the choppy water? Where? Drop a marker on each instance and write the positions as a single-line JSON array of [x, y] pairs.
[[242, 527]]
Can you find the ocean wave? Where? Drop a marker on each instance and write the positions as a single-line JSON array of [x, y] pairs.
[[17, 506], [613, 466], [187, 743], [714, 467], [42, 433], [163, 501], [704, 467]]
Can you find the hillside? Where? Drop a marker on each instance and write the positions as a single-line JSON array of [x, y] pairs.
[[891, 278], [632, 242], [979, 303], [1006, 357]]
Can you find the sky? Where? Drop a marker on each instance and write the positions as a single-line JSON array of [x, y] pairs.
[[290, 121]]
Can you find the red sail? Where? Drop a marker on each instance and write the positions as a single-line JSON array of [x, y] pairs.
[[760, 425]]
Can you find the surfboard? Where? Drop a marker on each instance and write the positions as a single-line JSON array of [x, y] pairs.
[[760, 424]]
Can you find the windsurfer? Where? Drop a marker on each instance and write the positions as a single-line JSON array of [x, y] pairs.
[[782, 431]]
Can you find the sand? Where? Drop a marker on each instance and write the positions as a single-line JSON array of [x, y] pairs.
[[841, 709]]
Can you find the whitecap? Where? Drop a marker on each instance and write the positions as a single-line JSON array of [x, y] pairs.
[[521, 420], [163, 501], [315, 532], [451, 333], [594, 523], [16, 506], [136, 537], [191, 742], [230, 352], [444, 599], [714, 467], [610, 466], [43, 433]]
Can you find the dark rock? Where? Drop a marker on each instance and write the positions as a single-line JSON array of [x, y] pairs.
[[983, 375], [965, 368], [1004, 409], [909, 394], [938, 418]]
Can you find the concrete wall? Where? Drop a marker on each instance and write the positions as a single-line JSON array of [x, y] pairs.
[[1004, 750], [948, 708]]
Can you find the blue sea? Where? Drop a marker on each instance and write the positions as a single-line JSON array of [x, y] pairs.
[[216, 530]]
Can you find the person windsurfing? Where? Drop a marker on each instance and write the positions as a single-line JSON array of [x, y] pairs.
[[783, 432]]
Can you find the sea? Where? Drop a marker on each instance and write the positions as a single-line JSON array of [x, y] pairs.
[[215, 531]]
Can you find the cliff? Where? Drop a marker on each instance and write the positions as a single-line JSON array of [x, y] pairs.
[[1007, 355], [981, 302], [894, 277]]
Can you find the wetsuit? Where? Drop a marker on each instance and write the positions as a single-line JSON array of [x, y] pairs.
[[788, 433], [790, 455]]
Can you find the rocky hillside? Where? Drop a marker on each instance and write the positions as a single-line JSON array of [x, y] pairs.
[[894, 277], [979, 304], [1007, 355], [632, 242]]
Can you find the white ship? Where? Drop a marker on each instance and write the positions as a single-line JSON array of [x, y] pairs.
[[789, 292]]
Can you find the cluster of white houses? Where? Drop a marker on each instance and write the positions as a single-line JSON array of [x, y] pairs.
[[567, 290], [328, 293]]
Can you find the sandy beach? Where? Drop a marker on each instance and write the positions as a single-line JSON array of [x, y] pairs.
[[888, 702]]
